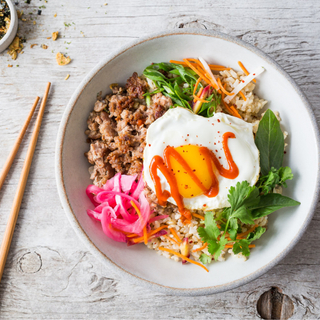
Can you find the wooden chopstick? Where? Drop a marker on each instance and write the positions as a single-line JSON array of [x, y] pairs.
[[16, 146], [4, 249]]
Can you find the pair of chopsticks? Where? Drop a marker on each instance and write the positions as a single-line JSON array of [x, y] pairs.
[[4, 249]]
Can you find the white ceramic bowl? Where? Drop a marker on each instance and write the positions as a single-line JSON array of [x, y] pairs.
[[144, 266], [10, 35]]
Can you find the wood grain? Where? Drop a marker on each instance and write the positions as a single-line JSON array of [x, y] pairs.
[[49, 272], [13, 216]]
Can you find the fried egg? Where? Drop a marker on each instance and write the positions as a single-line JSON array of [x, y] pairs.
[[187, 132]]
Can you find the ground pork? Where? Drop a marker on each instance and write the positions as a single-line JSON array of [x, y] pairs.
[[117, 129]]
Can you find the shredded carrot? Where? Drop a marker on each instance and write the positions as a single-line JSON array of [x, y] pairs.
[[214, 67], [124, 232], [244, 234], [197, 96], [171, 239], [140, 239], [196, 86], [231, 246], [196, 70], [243, 96], [198, 216], [178, 62], [145, 236], [201, 68], [199, 93], [198, 99], [174, 233], [183, 257], [156, 230], [233, 111], [218, 68], [133, 235], [245, 70], [201, 248], [223, 89], [149, 234]]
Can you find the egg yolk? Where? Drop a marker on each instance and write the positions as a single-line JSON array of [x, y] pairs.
[[196, 160]]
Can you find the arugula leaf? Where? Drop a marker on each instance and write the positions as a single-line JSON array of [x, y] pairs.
[[270, 142], [205, 259], [179, 87], [270, 203], [275, 177]]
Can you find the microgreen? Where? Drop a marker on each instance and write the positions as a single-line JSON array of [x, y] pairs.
[[177, 82]]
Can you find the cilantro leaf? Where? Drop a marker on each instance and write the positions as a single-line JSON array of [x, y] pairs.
[[215, 247], [258, 232], [242, 197], [205, 259], [211, 230], [241, 246]]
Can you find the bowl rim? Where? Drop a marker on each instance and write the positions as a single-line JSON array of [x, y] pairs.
[[84, 237], [13, 24]]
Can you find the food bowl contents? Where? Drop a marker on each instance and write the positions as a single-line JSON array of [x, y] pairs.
[[4, 18], [184, 162]]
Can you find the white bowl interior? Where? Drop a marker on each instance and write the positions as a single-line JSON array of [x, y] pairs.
[[302, 156]]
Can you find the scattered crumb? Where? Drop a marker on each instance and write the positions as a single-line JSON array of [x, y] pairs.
[[24, 20], [48, 38], [44, 46], [32, 45], [67, 77], [15, 47], [34, 22], [105, 4], [10, 65], [62, 60], [19, 13], [55, 35], [55, 15]]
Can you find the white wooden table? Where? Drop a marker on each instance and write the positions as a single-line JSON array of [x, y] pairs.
[[49, 273]]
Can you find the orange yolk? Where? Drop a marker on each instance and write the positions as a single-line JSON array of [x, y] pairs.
[[186, 185]]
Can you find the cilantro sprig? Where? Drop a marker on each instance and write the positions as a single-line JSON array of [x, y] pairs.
[[180, 86], [249, 203], [246, 205]]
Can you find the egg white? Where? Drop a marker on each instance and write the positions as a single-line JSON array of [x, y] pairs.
[[179, 126]]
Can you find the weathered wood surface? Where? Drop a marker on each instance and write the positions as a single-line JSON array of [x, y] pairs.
[[49, 273]]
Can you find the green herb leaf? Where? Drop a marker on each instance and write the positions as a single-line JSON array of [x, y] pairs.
[[275, 177], [270, 142], [205, 259], [215, 247], [211, 230], [241, 246], [270, 203], [242, 197], [256, 234]]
